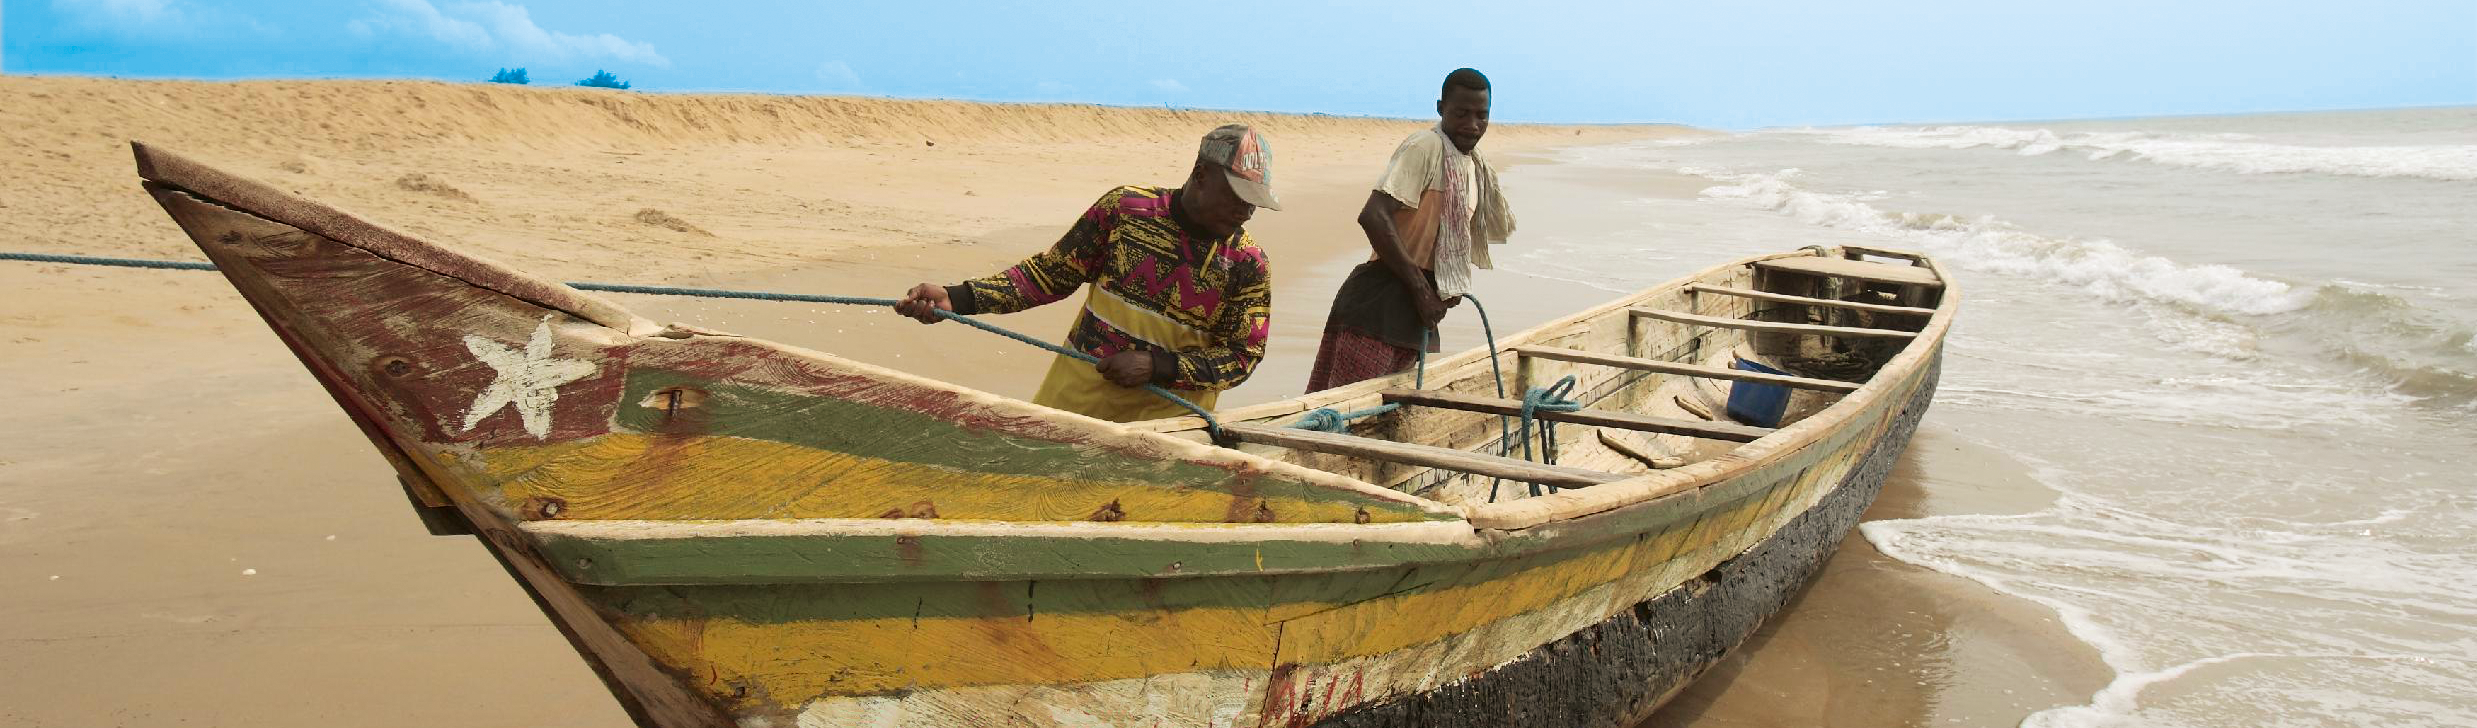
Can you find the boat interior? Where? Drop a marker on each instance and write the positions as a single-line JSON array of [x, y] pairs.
[[1665, 378], [1665, 389]]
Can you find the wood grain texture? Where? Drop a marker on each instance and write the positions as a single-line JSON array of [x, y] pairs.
[[1694, 370], [1596, 418], [1767, 326], [1856, 269], [1423, 455], [1806, 300]]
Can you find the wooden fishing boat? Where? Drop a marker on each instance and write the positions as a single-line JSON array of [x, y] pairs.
[[736, 532]]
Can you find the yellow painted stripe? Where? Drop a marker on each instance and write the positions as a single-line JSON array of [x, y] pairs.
[[802, 660], [707, 477]]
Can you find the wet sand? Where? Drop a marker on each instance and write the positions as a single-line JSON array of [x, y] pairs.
[[192, 533], [1877, 642]]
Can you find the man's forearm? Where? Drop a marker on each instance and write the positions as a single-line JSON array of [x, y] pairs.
[[1388, 247]]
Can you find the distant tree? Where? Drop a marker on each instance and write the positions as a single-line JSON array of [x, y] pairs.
[[603, 79], [515, 76]]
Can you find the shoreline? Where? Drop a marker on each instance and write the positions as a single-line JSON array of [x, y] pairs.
[[1874, 641], [228, 550]]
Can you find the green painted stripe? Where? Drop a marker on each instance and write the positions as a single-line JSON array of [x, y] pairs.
[[1283, 595], [770, 559], [841, 425]]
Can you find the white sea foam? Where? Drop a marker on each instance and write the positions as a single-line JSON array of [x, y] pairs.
[[2258, 537], [2100, 267], [2237, 153], [2130, 585]]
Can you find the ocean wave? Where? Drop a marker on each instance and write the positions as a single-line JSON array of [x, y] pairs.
[[2422, 352], [2100, 267], [2385, 621], [2237, 153], [2211, 309]]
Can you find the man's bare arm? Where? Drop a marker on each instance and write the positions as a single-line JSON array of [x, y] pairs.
[[1376, 219]]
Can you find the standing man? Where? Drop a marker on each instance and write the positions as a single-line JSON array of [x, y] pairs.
[[1181, 296], [1431, 218]]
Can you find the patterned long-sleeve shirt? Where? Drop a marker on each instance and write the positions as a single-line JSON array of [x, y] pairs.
[[1158, 285]]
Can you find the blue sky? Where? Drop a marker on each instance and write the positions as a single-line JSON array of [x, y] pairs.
[[1709, 62]]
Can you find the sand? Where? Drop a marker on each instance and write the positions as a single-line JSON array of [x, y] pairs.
[[191, 532]]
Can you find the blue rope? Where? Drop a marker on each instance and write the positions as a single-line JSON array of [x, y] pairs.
[[1327, 419], [122, 262], [1551, 398], [1505, 429], [1211, 425]]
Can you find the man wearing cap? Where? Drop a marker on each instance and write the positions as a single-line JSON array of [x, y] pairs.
[[1181, 296], [1429, 221]]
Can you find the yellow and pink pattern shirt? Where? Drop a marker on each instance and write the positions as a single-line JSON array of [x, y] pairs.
[[1157, 286]]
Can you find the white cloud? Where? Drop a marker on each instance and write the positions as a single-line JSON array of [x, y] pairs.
[[499, 28], [138, 12], [838, 76], [1169, 84], [419, 17], [157, 19]]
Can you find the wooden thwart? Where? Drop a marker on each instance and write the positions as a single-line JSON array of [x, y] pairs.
[[1885, 252], [1692, 370], [1596, 418], [1412, 454], [1859, 269], [1786, 298], [1730, 323]]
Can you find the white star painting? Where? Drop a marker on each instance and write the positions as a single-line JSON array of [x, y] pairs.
[[528, 380]]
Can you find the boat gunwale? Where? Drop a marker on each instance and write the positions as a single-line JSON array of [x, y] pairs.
[[1488, 529], [176, 172], [1575, 503], [1900, 373], [1490, 532]]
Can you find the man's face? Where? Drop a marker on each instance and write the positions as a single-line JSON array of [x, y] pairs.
[[1465, 117], [1213, 205]]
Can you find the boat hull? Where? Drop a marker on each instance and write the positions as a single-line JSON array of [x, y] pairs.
[[1596, 633], [732, 532], [1618, 671]]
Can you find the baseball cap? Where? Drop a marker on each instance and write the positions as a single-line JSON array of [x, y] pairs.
[[1246, 159]]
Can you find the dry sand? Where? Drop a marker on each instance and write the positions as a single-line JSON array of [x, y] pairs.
[[191, 532]]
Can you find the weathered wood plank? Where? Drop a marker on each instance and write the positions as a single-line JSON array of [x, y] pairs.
[[851, 551], [1884, 252], [1640, 447], [1859, 269], [1692, 370], [1414, 454], [1786, 298], [1730, 323], [1596, 418]]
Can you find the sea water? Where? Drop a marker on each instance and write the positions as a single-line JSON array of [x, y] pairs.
[[2242, 350]]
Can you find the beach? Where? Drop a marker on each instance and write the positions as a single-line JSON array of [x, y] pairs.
[[192, 531]]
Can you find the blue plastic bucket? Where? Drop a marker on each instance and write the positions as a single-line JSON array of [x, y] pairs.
[[1757, 403]]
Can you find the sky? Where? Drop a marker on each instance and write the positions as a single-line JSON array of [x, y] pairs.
[[1710, 63]]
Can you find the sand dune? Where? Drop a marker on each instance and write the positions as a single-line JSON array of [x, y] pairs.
[[379, 114], [530, 174]]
